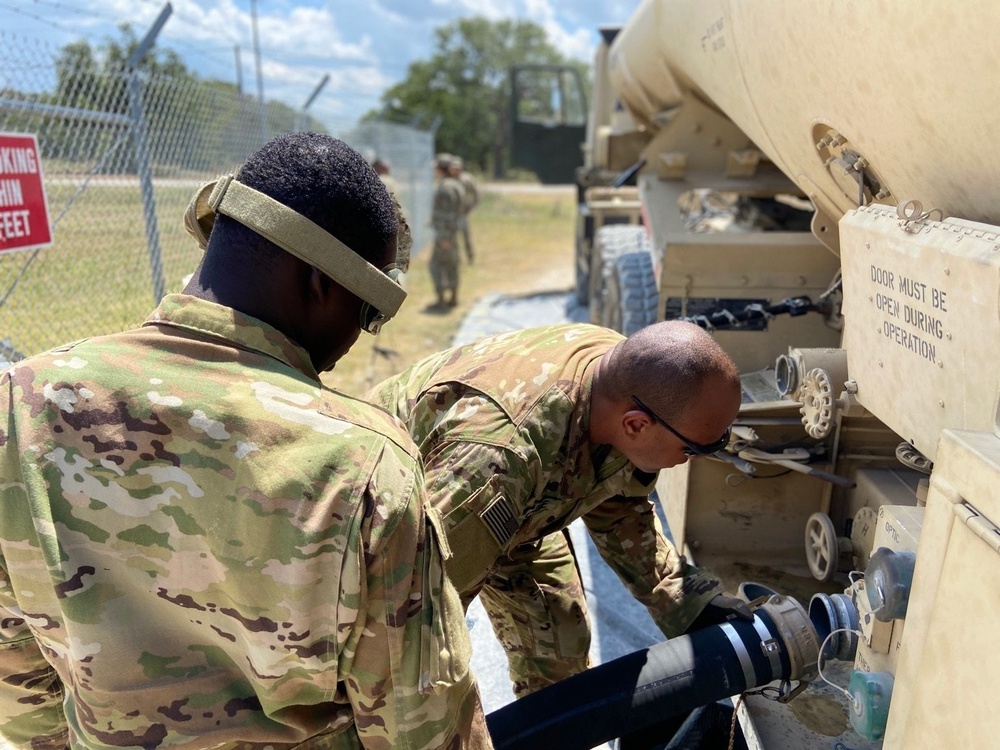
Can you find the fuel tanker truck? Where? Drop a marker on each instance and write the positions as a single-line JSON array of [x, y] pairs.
[[816, 183]]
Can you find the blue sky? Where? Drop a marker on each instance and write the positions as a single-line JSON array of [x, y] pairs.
[[364, 45]]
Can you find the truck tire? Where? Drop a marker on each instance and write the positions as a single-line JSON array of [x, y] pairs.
[[631, 295], [610, 241]]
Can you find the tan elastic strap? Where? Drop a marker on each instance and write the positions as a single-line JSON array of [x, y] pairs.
[[294, 233]]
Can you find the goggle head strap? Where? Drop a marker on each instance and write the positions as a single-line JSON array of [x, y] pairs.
[[307, 241]]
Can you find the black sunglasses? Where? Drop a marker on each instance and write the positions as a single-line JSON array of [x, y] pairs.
[[692, 448]]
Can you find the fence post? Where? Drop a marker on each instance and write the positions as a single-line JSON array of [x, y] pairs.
[[142, 156]]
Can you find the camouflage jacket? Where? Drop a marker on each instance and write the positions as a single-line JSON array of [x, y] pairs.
[[446, 213], [201, 546], [470, 192], [502, 425]]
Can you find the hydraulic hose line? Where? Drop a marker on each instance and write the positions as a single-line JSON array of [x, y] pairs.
[[669, 679]]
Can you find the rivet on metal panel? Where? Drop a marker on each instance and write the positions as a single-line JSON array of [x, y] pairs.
[[868, 245], [940, 363], [947, 272], [880, 363], [948, 336], [941, 403]]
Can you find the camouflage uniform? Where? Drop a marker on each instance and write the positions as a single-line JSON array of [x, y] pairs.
[[390, 183], [502, 425], [446, 217], [201, 546], [470, 201]]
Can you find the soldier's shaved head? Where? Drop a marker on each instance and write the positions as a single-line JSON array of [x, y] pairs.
[[667, 365]]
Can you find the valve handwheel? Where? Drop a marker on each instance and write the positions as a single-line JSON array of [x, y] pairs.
[[816, 395], [822, 546]]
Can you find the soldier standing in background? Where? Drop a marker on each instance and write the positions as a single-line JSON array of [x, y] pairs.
[[524, 432], [446, 218], [203, 546], [381, 167], [470, 201]]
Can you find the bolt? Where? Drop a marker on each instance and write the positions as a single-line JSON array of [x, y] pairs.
[[941, 403], [883, 193], [860, 164], [851, 386]]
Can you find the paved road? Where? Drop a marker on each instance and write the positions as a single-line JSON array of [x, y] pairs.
[[620, 624]]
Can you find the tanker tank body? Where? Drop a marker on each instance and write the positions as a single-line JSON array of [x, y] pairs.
[[864, 471]]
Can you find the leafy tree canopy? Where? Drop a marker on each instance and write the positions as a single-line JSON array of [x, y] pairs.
[[464, 87]]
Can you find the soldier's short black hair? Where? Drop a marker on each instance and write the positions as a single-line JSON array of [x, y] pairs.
[[325, 180], [666, 365]]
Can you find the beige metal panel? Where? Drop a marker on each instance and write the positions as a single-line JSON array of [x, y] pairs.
[[910, 86], [945, 693], [922, 322], [644, 83], [719, 514], [755, 265]]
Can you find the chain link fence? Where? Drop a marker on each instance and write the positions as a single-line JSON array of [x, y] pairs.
[[123, 150]]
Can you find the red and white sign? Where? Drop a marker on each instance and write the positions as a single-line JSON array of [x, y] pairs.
[[24, 213]]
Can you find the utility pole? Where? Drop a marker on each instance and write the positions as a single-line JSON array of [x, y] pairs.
[[260, 78], [239, 71]]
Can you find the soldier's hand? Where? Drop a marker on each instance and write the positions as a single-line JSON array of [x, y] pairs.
[[720, 609]]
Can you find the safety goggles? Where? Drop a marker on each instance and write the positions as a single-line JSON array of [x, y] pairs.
[[691, 447], [380, 290], [372, 318]]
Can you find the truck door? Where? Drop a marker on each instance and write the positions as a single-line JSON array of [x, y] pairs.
[[548, 121]]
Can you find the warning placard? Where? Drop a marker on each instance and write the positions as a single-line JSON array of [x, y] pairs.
[[24, 213]]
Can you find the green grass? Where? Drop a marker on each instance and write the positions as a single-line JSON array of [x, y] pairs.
[[95, 279], [524, 245]]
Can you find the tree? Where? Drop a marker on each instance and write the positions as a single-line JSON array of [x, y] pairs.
[[466, 84]]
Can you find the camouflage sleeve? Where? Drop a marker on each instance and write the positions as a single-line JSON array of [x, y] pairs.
[[410, 683], [629, 537], [480, 490], [31, 713], [471, 193], [447, 212]]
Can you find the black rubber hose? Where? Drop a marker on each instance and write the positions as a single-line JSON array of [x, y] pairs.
[[643, 688]]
